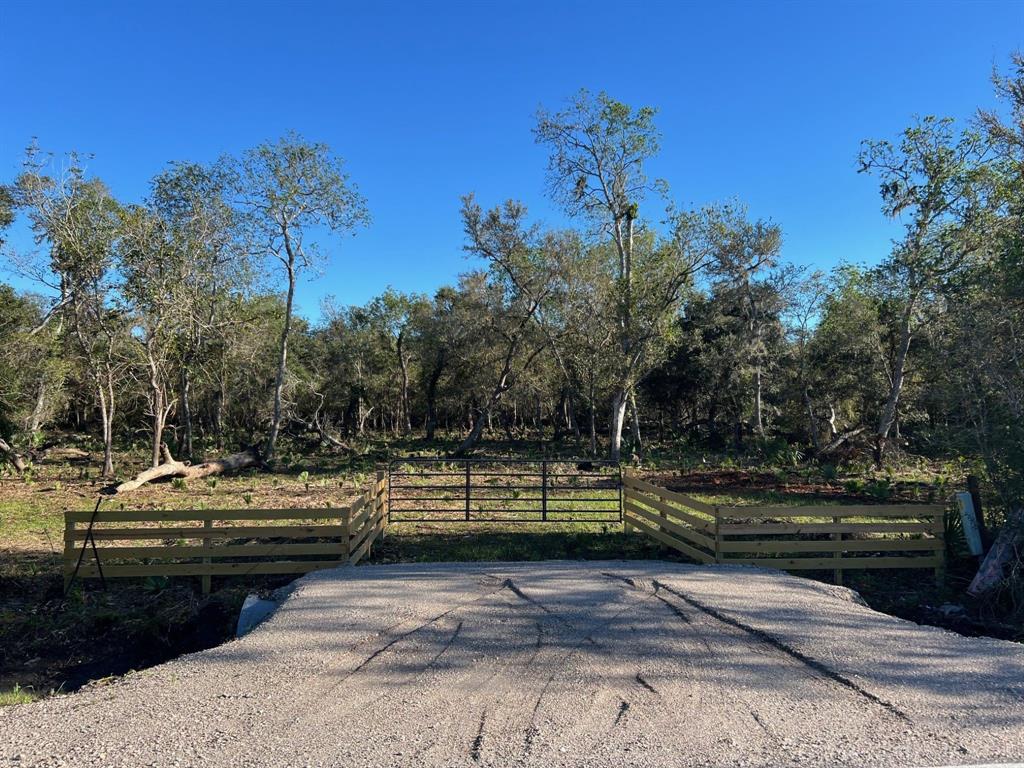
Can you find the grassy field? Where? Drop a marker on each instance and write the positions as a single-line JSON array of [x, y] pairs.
[[52, 642]]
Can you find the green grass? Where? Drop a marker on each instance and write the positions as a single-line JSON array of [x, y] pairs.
[[35, 518], [476, 542], [16, 695]]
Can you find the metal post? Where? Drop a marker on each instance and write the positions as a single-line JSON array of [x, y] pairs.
[[544, 490], [467, 490]]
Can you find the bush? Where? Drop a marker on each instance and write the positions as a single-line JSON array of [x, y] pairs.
[[879, 489], [777, 451]]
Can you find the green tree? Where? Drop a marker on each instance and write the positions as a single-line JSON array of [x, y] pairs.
[[936, 180], [598, 148], [78, 220], [285, 189]]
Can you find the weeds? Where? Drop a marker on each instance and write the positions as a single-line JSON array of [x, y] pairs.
[[16, 695]]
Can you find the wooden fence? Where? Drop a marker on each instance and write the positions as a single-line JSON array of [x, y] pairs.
[[255, 542], [835, 538]]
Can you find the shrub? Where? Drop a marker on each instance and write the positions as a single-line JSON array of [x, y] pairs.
[[853, 486], [880, 489]]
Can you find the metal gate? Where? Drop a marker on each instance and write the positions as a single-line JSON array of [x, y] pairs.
[[493, 490]]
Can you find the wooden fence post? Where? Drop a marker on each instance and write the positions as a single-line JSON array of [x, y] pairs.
[[346, 523], [718, 536], [380, 504], [69, 550], [207, 543], [623, 497], [837, 574], [939, 524]]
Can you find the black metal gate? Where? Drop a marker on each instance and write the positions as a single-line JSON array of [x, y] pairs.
[[492, 490]]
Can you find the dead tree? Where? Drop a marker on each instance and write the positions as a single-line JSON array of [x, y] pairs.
[[171, 468]]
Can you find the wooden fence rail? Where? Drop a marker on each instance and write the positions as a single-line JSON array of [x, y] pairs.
[[835, 538], [195, 545]]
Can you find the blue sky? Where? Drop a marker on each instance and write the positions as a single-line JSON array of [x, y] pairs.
[[765, 102]]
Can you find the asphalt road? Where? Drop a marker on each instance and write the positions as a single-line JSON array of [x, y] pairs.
[[552, 664]]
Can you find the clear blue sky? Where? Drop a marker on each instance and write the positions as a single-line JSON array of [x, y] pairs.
[[766, 102]]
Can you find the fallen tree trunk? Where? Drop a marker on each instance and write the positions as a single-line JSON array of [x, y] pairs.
[[12, 456], [171, 468], [1006, 548], [837, 442]]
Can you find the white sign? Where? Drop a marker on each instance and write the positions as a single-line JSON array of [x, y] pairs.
[[970, 522]]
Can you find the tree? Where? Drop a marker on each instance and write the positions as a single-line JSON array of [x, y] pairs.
[[742, 251], [31, 374], [598, 149], [391, 315], [937, 179], [520, 276], [154, 270], [285, 189], [190, 200], [78, 219], [6, 210], [436, 335]]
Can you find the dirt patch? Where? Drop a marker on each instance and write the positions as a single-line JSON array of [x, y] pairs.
[[750, 481]]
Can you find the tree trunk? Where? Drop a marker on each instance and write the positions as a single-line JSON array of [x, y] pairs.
[[812, 423], [638, 445], [403, 364], [282, 362], [432, 382], [172, 468], [1004, 551], [758, 420], [558, 418], [888, 416], [36, 420], [12, 456], [474, 435], [574, 424], [618, 416], [106, 397], [156, 402], [186, 412]]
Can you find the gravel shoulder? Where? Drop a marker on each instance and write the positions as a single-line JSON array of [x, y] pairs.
[[552, 664]]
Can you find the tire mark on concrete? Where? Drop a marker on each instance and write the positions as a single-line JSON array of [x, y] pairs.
[[623, 709], [787, 649], [532, 731], [478, 742], [643, 683], [300, 709]]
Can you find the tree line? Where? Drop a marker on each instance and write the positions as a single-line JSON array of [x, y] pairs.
[[173, 319]]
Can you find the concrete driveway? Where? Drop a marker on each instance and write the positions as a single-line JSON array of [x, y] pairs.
[[552, 664]]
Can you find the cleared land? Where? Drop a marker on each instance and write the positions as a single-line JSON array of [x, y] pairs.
[[598, 663]]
